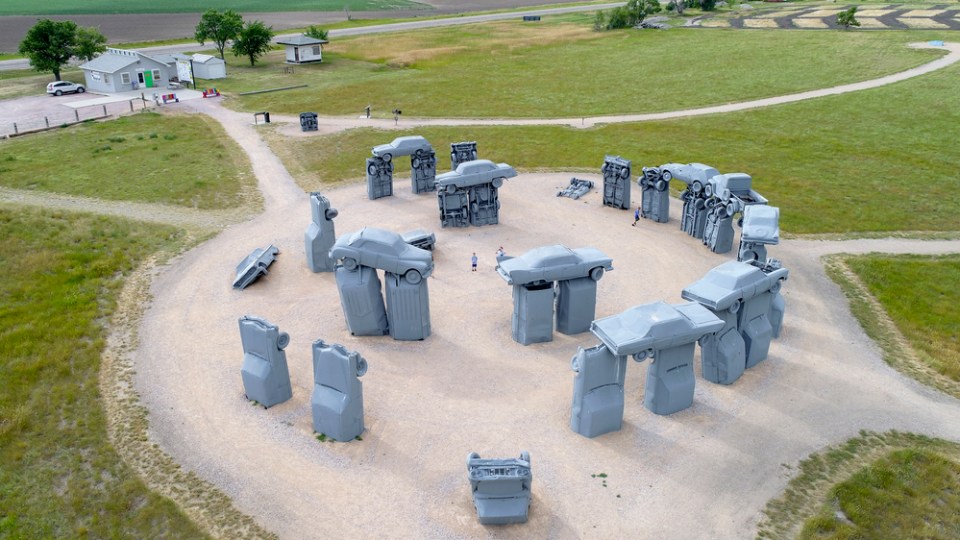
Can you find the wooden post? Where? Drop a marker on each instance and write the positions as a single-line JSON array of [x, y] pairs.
[[131, 105], [76, 114], [104, 110], [47, 120], [15, 128]]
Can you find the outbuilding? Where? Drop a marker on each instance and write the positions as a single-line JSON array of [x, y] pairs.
[[119, 70], [302, 49], [206, 66]]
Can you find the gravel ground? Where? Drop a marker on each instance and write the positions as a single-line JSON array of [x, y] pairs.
[[705, 472]]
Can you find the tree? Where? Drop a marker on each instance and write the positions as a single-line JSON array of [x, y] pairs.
[[90, 43], [254, 41], [708, 5], [49, 45], [316, 32], [848, 18], [218, 27], [641, 9]]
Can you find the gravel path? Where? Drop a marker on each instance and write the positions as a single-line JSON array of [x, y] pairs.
[[705, 472], [702, 473]]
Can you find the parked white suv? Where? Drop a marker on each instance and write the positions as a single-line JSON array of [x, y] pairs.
[[59, 88]]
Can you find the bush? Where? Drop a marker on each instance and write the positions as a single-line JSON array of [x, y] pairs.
[[599, 21], [619, 18]]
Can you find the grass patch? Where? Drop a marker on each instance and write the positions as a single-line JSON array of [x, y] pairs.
[[194, 164], [842, 164], [846, 477], [562, 69], [60, 476], [93, 7], [917, 332], [905, 494], [27, 82]]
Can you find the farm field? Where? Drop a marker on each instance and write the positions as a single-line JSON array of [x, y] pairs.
[[71, 7], [564, 69]]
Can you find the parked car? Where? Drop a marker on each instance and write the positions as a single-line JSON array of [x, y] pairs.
[[402, 146], [474, 173], [58, 88], [554, 263], [385, 250]]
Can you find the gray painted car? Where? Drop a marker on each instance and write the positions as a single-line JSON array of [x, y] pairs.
[[694, 174], [475, 173], [554, 263], [402, 146], [385, 250]]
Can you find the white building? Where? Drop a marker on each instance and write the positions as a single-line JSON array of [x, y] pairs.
[[302, 49]]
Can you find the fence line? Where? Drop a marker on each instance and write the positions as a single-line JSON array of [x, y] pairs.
[[39, 122]]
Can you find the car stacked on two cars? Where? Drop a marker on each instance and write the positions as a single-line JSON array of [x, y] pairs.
[[58, 88]]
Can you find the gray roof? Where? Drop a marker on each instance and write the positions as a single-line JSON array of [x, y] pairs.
[[301, 39], [110, 62]]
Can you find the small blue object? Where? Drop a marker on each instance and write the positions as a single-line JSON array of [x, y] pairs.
[[937, 43]]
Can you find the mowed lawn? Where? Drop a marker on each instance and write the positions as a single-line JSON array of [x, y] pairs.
[[60, 477], [920, 294], [880, 160], [184, 160], [87, 7], [565, 69]]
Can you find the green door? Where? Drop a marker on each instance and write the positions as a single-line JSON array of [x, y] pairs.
[[148, 79]]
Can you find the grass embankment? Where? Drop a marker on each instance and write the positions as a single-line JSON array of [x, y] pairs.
[[919, 333], [170, 159], [877, 161], [94, 7], [894, 485], [60, 477], [563, 69]]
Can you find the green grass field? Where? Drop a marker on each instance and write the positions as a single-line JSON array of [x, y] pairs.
[[905, 494], [875, 486], [563, 69], [88, 7], [179, 160], [854, 163], [60, 477], [930, 321], [27, 82]]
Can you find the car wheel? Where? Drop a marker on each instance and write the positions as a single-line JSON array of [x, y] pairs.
[[473, 155], [372, 170], [776, 286], [735, 307], [283, 340], [361, 367], [80, 90], [697, 186], [331, 213], [415, 163], [413, 277], [624, 173], [386, 158], [708, 191], [471, 457], [451, 188], [350, 264], [58, 93], [666, 175], [596, 273], [731, 209], [497, 182], [660, 185], [525, 456], [642, 355]]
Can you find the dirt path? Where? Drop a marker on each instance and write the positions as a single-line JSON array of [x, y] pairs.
[[705, 472]]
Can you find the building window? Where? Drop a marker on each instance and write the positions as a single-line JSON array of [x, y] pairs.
[[316, 50], [156, 74], [106, 78], [125, 78]]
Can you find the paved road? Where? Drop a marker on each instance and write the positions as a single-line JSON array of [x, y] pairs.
[[374, 29]]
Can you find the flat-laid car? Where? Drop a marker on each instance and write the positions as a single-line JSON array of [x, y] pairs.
[[554, 263], [475, 173], [413, 145]]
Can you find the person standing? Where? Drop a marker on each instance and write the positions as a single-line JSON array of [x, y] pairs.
[[500, 253], [473, 262], [636, 216]]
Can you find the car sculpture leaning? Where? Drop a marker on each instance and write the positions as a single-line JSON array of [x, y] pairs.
[[413, 145], [475, 173], [385, 250], [554, 263], [694, 174]]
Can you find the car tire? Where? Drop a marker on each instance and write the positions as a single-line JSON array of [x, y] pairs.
[[350, 264], [624, 173], [331, 213], [776, 286], [525, 456], [58, 93], [362, 367], [666, 175], [283, 340], [415, 163], [473, 155], [735, 307], [412, 277], [372, 170], [660, 185], [708, 190], [731, 209], [497, 182], [596, 273], [451, 189], [697, 186], [386, 158], [80, 90]]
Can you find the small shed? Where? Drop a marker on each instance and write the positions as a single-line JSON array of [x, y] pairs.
[[209, 67], [302, 49], [119, 70]]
